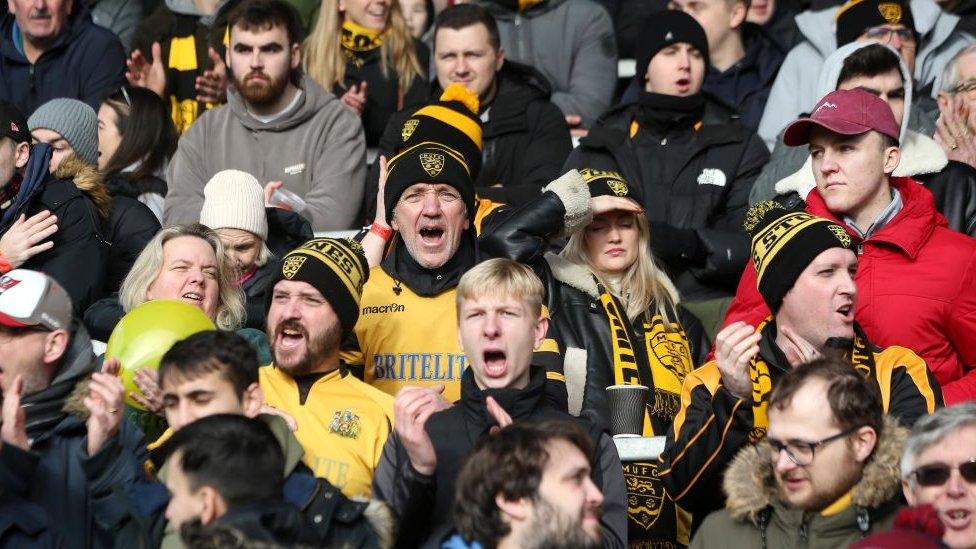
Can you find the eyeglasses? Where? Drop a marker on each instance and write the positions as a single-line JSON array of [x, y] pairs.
[[7, 332], [965, 86], [884, 34], [802, 452], [937, 474]]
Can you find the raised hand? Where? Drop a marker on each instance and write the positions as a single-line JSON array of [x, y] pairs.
[[355, 97], [501, 416], [151, 398], [604, 204], [735, 345], [143, 74], [412, 408], [13, 419], [212, 84], [797, 349], [28, 237], [106, 405]]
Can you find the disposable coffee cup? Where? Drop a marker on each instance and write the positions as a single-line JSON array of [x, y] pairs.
[[627, 404], [285, 199]]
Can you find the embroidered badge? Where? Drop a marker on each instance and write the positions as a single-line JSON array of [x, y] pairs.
[[712, 176], [345, 424], [618, 187], [645, 493], [891, 12], [841, 234], [408, 127], [295, 170], [291, 265], [432, 163]]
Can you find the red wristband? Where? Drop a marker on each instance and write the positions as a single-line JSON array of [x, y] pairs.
[[5, 266], [385, 233]]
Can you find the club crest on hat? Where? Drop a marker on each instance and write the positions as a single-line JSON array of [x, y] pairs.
[[432, 163], [841, 234], [289, 268], [408, 128], [891, 12], [618, 187]]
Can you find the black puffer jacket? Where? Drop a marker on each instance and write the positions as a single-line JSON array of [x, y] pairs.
[[572, 295], [695, 177], [524, 141], [131, 227]]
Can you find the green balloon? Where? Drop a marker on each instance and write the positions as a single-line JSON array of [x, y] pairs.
[[144, 335]]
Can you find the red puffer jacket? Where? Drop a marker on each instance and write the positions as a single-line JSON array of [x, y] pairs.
[[916, 288]]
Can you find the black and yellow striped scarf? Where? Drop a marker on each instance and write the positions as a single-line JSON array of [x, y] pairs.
[[358, 39]]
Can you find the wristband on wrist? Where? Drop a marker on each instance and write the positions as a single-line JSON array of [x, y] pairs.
[[5, 266], [386, 233]]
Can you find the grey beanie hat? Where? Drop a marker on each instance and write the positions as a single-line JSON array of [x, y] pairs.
[[74, 120]]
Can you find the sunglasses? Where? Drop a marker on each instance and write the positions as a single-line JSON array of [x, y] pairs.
[[937, 474]]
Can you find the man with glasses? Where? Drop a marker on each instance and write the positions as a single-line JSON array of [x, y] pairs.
[[64, 440], [823, 477], [938, 468], [956, 127], [805, 267]]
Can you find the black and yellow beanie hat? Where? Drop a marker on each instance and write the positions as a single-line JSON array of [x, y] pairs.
[[784, 243], [441, 144], [857, 16], [608, 183], [336, 267]]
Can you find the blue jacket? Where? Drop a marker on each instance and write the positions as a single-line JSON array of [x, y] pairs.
[[86, 62], [59, 477], [24, 525]]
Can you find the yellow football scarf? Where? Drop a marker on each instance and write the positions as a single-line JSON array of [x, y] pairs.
[[355, 38], [665, 356], [860, 358]]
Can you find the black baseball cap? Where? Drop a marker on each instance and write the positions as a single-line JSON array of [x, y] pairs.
[[13, 123]]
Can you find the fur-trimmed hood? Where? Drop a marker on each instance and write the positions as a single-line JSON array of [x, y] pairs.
[[750, 488], [88, 180], [920, 155]]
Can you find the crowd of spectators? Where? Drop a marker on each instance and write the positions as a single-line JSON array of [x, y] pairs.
[[427, 236]]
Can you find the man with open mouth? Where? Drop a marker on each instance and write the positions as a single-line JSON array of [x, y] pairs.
[[500, 325], [805, 267], [406, 332]]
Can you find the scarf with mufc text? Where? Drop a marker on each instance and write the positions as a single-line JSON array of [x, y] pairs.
[[659, 360]]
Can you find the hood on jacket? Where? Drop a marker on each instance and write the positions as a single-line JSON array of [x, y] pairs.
[[830, 73], [819, 29], [188, 7], [502, 9], [88, 180], [750, 486], [314, 98]]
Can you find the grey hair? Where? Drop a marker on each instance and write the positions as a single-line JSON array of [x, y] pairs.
[[230, 301], [950, 74], [934, 428]]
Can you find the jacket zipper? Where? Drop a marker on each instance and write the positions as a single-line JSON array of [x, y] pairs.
[[518, 33], [804, 532]]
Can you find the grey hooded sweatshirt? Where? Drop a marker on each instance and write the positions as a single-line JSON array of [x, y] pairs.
[[317, 149], [789, 168], [794, 90]]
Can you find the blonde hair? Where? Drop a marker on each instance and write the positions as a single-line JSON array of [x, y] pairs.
[[500, 277], [648, 287], [325, 62], [145, 270]]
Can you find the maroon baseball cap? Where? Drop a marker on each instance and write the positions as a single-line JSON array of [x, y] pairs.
[[847, 112]]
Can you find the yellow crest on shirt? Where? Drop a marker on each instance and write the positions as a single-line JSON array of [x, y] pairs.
[[432, 163], [290, 266], [891, 12]]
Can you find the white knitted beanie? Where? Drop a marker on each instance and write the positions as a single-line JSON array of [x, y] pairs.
[[233, 199]]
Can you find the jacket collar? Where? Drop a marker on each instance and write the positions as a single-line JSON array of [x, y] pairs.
[[920, 155], [750, 486], [519, 403], [572, 274], [403, 268], [910, 229]]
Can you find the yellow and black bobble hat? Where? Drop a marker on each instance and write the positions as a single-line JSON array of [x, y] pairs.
[[784, 243], [336, 267], [441, 144]]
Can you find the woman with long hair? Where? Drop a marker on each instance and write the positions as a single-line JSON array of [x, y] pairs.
[[362, 50], [616, 312], [136, 139]]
